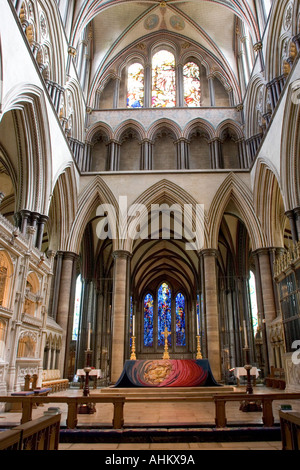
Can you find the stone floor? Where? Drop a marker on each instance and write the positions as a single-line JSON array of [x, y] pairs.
[[162, 414], [192, 446]]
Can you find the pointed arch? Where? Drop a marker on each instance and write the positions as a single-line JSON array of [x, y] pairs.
[[62, 208], [167, 192], [234, 189], [28, 103], [94, 194], [290, 147], [268, 202]]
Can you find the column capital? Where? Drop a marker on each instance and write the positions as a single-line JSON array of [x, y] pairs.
[[267, 250], [297, 210], [123, 254], [72, 51], [258, 46], [209, 252], [69, 255]]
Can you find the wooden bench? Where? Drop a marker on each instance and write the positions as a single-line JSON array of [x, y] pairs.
[[51, 379], [276, 379], [290, 430], [39, 434]]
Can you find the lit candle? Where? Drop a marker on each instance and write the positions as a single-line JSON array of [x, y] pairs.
[[198, 327], [245, 334], [89, 337], [133, 325]]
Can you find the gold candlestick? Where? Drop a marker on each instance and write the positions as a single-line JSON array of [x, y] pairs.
[[166, 333], [133, 356], [199, 355]]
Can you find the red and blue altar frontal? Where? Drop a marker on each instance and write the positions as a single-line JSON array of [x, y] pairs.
[[167, 373]]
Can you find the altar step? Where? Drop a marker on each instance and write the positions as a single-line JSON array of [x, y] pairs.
[[168, 392]]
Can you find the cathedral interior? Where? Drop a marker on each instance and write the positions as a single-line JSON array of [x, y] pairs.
[[149, 179]]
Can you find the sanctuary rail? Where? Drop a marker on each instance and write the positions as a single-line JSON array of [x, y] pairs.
[[265, 399], [73, 403]]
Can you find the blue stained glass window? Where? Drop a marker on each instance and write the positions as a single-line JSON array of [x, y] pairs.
[[164, 313], [148, 320], [180, 320]]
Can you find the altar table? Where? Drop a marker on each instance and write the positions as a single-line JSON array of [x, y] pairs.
[[94, 374], [241, 371], [167, 373]]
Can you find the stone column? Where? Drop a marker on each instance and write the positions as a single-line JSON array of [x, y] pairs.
[[40, 231], [146, 163], [258, 48], [212, 313], [119, 302], [180, 86], [25, 217], [116, 92], [211, 90], [216, 153], [182, 154], [297, 221], [64, 307], [113, 155], [147, 86], [268, 298]]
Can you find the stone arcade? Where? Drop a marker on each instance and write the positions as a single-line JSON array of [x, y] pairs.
[[169, 104]]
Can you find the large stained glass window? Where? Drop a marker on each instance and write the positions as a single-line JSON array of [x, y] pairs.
[[135, 88], [164, 313], [180, 320], [163, 80], [148, 321], [191, 83]]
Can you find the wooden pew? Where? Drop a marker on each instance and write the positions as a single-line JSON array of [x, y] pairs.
[[51, 379], [40, 434], [290, 430], [276, 379]]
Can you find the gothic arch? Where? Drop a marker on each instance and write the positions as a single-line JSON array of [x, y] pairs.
[[234, 189], [167, 124], [268, 202], [72, 111], [290, 147], [167, 192], [136, 127], [99, 127], [201, 124], [62, 208], [255, 106], [34, 161], [280, 29], [94, 194]]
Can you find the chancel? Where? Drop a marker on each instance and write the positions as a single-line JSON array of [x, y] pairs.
[[149, 205]]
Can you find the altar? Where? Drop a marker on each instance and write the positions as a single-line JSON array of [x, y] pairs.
[[166, 373]]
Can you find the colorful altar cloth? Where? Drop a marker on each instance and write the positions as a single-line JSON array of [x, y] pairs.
[[167, 373]]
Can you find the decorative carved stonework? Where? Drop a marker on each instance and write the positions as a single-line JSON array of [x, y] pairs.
[[292, 371]]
